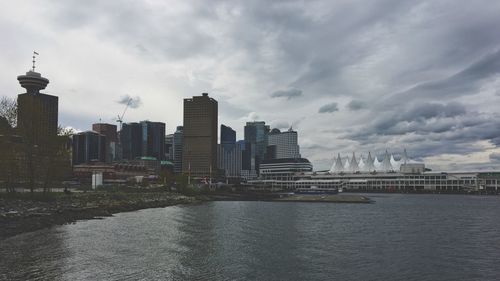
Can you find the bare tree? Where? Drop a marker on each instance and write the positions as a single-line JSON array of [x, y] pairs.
[[8, 110]]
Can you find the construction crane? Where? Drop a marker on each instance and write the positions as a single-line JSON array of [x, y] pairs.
[[120, 118]]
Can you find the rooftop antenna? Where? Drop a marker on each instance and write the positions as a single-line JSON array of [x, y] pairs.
[[34, 56]]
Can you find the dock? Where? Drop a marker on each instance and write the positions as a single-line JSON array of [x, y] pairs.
[[324, 198]]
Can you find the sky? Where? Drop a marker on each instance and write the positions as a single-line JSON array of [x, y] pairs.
[[347, 75]]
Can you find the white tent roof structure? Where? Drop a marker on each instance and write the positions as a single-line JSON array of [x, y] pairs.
[[369, 164]]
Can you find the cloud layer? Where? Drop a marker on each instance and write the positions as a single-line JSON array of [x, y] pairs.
[[424, 75]]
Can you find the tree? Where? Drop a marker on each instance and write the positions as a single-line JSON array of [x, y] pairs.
[[8, 110]]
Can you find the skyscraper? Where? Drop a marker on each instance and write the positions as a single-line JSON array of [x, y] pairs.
[[131, 140], [227, 135], [257, 133], [37, 114], [88, 146], [285, 144], [153, 139], [169, 147], [109, 131], [177, 144], [143, 139], [199, 154], [229, 153]]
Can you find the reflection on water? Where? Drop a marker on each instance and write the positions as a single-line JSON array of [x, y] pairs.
[[424, 237]]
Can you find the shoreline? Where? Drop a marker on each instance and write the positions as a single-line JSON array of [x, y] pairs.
[[23, 215]]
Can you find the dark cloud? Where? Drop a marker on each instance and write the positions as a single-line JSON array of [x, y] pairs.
[[280, 125], [329, 108], [356, 105], [495, 157], [133, 102], [289, 94]]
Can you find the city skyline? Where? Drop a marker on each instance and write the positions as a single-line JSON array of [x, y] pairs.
[[423, 77]]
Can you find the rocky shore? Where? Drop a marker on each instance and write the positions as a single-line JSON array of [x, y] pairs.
[[25, 212]]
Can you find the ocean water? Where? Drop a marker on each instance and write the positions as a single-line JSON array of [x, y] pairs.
[[399, 237]]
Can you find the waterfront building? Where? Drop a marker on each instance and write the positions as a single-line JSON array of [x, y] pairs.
[[131, 140], [153, 139], [177, 147], [283, 169], [145, 138], [285, 144], [169, 147], [199, 154], [229, 157], [227, 136], [256, 133], [37, 113], [88, 147], [111, 134], [248, 170], [230, 160]]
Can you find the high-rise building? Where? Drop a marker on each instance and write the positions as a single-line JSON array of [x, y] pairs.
[[110, 132], [285, 144], [131, 140], [144, 139], [37, 113], [88, 147], [178, 149], [153, 139], [169, 147], [227, 135], [229, 153], [257, 133], [230, 160], [199, 154], [248, 170]]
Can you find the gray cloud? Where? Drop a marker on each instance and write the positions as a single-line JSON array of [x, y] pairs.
[[356, 105], [133, 102], [424, 73], [289, 94], [280, 125], [329, 108], [494, 157]]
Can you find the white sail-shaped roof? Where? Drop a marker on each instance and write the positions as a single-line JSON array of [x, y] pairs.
[[369, 166], [386, 163], [346, 164], [377, 164], [353, 164], [361, 164], [395, 164], [404, 158], [338, 165]]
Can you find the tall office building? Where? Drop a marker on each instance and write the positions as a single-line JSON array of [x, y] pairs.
[[257, 133], [248, 170], [153, 139], [169, 147], [37, 113], [131, 140], [229, 153], [88, 147], [111, 134], [285, 144], [199, 154], [227, 135], [177, 144], [143, 139]]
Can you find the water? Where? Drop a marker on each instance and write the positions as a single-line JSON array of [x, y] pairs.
[[400, 237]]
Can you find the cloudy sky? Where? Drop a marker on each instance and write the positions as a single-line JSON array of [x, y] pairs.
[[348, 75]]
